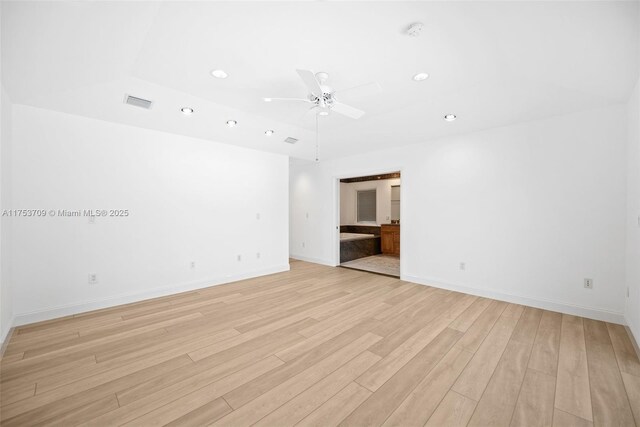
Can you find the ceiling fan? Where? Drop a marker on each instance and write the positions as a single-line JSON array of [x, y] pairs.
[[323, 97]]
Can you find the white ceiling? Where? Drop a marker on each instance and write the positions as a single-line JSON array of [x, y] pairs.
[[491, 63]]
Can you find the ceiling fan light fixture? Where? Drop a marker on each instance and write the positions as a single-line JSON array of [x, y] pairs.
[[450, 117], [269, 132], [420, 77], [231, 123], [219, 74], [187, 111]]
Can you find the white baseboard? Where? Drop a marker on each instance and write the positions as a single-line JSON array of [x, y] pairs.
[[576, 310], [313, 260], [630, 328], [68, 310], [5, 337]]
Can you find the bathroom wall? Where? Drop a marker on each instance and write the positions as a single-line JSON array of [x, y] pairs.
[[348, 199]]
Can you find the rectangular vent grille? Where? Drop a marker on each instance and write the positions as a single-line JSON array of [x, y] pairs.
[[290, 140], [138, 102]]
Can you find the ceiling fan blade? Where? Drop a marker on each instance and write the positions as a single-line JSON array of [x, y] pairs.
[[363, 89], [311, 82], [285, 99], [347, 110]]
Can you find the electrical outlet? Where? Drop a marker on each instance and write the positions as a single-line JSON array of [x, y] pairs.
[[258, 216], [627, 292], [588, 283], [93, 278], [307, 215], [462, 266], [192, 265], [258, 255], [239, 257], [303, 244]]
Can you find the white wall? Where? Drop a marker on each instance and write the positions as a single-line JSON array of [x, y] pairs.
[[189, 200], [6, 309], [348, 200], [633, 214], [532, 209]]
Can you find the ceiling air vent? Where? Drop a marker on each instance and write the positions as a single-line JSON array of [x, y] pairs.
[[138, 102], [290, 140]]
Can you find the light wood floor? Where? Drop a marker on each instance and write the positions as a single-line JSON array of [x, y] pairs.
[[321, 346]]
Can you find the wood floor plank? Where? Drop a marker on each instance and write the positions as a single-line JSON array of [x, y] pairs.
[[496, 406], [624, 350], [7, 360], [161, 394], [527, 328], [469, 316], [41, 373], [546, 347], [82, 413], [203, 415], [475, 335], [608, 395], [261, 385], [336, 409], [565, 419], [416, 409], [320, 338], [306, 402], [394, 361], [213, 367], [476, 375], [19, 391], [68, 398], [197, 398], [454, 411], [534, 407], [282, 393], [353, 315], [398, 330], [218, 347], [301, 347], [399, 307], [572, 386], [387, 398], [632, 386]]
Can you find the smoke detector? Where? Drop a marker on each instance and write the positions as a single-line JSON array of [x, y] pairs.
[[415, 29], [290, 140]]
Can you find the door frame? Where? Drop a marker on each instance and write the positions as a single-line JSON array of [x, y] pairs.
[[336, 211]]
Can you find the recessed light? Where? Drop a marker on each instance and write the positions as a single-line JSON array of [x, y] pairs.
[[420, 77], [219, 74], [450, 117], [267, 99], [231, 123], [323, 113], [268, 132], [186, 110]]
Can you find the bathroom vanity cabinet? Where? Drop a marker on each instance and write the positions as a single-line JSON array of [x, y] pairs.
[[390, 239]]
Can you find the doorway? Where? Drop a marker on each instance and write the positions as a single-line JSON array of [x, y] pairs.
[[370, 223]]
